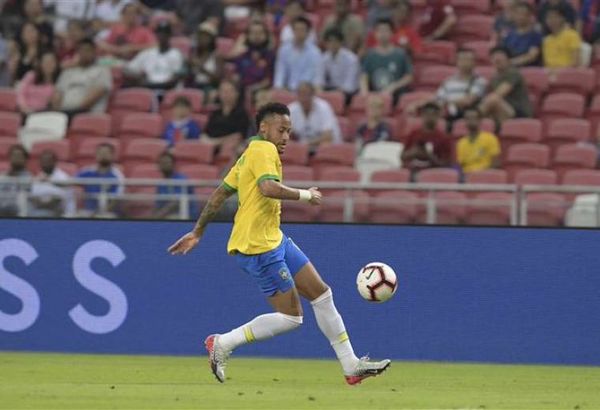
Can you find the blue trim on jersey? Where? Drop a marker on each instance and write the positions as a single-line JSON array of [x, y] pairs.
[[274, 271]]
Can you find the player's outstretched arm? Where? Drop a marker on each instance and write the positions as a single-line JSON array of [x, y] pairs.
[[188, 241], [276, 190]]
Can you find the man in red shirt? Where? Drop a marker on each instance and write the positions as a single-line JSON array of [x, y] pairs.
[[128, 37], [437, 20], [427, 147]]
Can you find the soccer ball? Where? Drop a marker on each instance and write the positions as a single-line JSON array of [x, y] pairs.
[[376, 282]]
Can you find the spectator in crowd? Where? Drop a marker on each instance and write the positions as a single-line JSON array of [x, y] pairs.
[[504, 21], [159, 67], [35, 91], [206, 66], [566, 8], [313, 119], [128, 37], [108, 12], [169, 208], [85, 87], [300, 60], [437, 20], [65, 11], [589, 21], [182, 126], [230, 122], [194, 12], [374, 128], [405, 35], [4, 75], [293, 10], [478, 150], [507, 97], [351, 25], [428, 146], [67, 51], [562, 45], [48, 198], [104, 168], [254, 65], [17, 156], [379, 10], [386, 68], [524, 41], [341, 66], [26, 53], [34, 13]]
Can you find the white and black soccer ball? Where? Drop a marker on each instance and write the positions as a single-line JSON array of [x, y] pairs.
[[376, 282]]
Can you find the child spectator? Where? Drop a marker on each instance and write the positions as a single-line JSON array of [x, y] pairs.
[[182, 126], [374, 129], [35, 91], [478, 150]]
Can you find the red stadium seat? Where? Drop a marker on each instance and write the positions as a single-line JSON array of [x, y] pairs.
[[535, 177], [486, 72], [401, 207], [336, 99], [518, 131], [400, 176], [494, 208], [466, 7], [5, 144], [145, 171], [574, 80], [437, 52], [481, 50], [523, 156], [90, 125], [358, 107], [196, 98], [85, 153], [143, 150], [283, 96], [298, 173], [68, 167], [335, 154], [346, 130], [61, 149], [593, 113], [413, 97], [8, 100], [438, 176], [294, 211], [546, 209], [574, 156], [333, 206], [4, 166], [582, 177], [562, 105], [141, 125], [203, 172], [489, 176], [296, 153], [193, 152], [10, 124], [133, 100], [459, 129], [431, 77], [472, 28], [536, 79], [338, 174], [567, 130], [450, 208]]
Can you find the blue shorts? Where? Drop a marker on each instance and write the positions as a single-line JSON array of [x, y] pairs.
[[274, 270]]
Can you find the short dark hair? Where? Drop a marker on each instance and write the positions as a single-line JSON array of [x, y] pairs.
[[18, 147], [49, 152], [385, 21], [557, 10], [272, 108], [87, 42], [500, 49], [111, 147], [182, 100], [334, 33], [304, 20]]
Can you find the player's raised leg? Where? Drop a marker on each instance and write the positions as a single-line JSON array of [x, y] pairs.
[[312, 287]]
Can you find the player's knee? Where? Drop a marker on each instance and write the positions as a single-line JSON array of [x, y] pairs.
[[295, 321]]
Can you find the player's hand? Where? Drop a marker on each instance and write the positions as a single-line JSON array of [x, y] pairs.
[[184, 244], [317, 196]]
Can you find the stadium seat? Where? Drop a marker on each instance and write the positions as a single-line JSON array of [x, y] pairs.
[[338, 174], [346, 130], [10, 123], [294, 211], [85, 153], [333, 208], [472, 28], [437, 52], [459, 129], [574, 80], [140, 125], [335, 154], [193, 152], [62, 149], [183, 44], [535, 176], [493, 208], [400, 176], [8, 100], [298, 173], [43, 126], [562, 105], [283, 96], [142, 207], [296, 153], [127, 101], [336, 99], [68, 167], [489, 176], [4, 166], [536, 79], [574, 156], [142, 150], [377, 156], [450, 208], [203, 172], [400, 207], [5, 144], [438, 176], [145, 171], [413, 97], [196, 98], [518, 131], [481, 50], [467, 7], [546, 209], [358, 107], [567, 130], [523, 156], [593, 113], [431, 77], [582, 177], [89, 125]]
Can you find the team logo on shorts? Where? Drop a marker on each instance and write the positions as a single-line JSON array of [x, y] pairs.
[[285, 275]]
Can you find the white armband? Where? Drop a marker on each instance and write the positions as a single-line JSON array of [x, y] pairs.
[[305, 195]]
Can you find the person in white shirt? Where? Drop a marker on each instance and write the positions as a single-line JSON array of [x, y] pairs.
[[313, 119], [109, 11], [47, 197], [293, 10], [341, 66], [70, 10], [158, 67]]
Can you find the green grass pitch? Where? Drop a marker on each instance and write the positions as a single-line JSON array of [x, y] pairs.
[[53, 381]]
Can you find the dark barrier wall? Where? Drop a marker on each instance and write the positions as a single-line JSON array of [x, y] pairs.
[[466, 294]]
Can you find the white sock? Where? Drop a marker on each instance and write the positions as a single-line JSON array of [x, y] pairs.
[[260, 328], [331, 324]]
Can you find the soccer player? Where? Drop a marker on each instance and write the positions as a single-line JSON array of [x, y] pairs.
[[281, 270]]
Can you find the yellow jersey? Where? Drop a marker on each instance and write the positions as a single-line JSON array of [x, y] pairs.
[[256, 224], [478, 154], [559, 49]]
